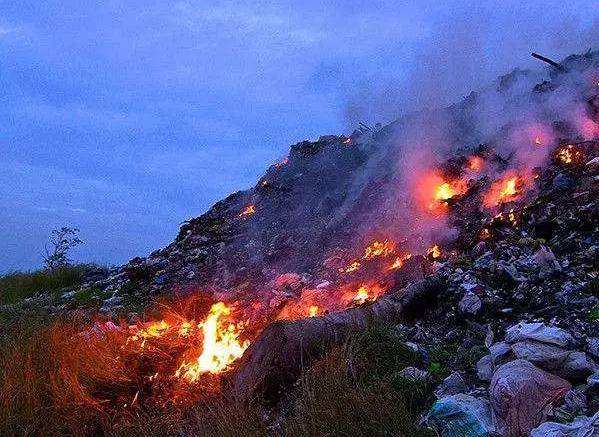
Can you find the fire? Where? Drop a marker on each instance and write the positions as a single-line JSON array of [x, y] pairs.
[[399, 261], [379, 248], [221, 346], [366, 293], [375, 249], [444, 192], [361, 295], [313, 310], [433, 192], [248, 210], [570, 154], [507, 189], [485, 234], [434, 252], [352, 267], [475, 163]]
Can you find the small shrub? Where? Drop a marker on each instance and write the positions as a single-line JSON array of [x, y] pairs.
[[62, 241]]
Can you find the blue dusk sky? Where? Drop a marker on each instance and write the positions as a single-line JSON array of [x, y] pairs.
[[124, 118]]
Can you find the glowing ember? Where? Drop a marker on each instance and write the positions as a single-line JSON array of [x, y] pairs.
[[570, 154], [399, 262], [355, 265], [507, 189], [264, 183], [221, 346], [249, 210], [313, 311], [347, 141], [434, 252], [485, 234], [475, 163]]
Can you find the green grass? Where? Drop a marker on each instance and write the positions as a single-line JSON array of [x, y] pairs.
[[86, 296], [17, 286], [356, 391]]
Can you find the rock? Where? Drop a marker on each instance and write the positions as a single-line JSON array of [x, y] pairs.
[[522, 395], [593, 382], [470, 303], [414, 374], [485, 368], [160, 279], [461, 415], [582, 426], [578, 366], [511, 273], [451, 385], [499, 350], [593, 347], [575, 404], [539, 332]]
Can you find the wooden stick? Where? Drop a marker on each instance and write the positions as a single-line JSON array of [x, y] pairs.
[[547, 60]]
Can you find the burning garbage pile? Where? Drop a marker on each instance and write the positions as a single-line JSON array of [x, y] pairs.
[[313, 247]]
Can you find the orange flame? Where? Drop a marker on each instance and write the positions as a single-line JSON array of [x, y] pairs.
[[221, 346], [352, 267], [313, 310], [485, 234], [507, 189], [373, 250], [399, 261], [248, 210], [379, 248], [361, 295], [433, 192], [434, 252], [367, 293]]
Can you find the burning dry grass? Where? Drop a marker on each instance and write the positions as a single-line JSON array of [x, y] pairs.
[[55, 382], [65, 379]]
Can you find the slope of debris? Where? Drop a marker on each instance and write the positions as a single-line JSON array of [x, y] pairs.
[[497, 194]]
